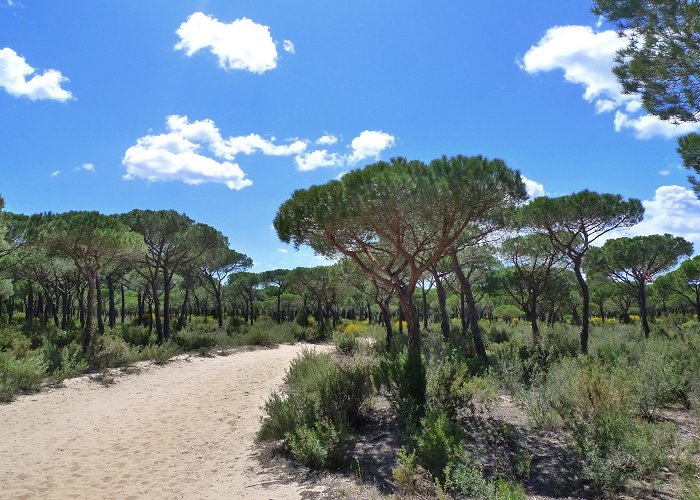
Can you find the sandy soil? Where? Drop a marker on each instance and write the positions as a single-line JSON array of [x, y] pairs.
[[184, 430]]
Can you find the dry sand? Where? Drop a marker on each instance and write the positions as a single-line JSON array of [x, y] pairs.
[[184, 430]]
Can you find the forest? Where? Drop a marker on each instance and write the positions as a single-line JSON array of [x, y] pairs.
[[468, 341], [450, 288]]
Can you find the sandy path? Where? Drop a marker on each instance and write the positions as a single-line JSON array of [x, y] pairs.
[[184, 430]]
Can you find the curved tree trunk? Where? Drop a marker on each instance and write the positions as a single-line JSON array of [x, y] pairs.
[[100, 305]]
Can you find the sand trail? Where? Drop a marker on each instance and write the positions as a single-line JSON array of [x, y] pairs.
[[184, 430]]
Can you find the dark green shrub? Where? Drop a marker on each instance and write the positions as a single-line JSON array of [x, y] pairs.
[[302, 318], [325, 445], [438, 443], [111, 351], [159, 354], [195, 337], [135, 335], [404, 379]]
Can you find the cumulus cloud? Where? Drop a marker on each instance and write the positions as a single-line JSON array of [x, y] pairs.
[[534, 188], [327, 140], [195, 152], [587, 57], [288, 46], [88, 166], [369, 144], [242, 44], [55, 173], [19, 79], [318, 158], [674, 210]]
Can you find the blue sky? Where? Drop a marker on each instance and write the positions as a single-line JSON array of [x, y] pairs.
[[222, 109]]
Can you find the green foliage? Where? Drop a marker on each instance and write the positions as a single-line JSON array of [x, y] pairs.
[[345, 342], [410, 478], [111, 351], [325, 445], [159, 354], [195, 337], [20, 374], [136, 335], [438, 443], [403, 376], [318, 401], [468, 480]]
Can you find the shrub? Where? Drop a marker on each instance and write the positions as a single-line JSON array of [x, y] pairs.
[[111, 352], [195, 337], [410, 478], [325, 445], [345, 342], [445, 379], [480, 394], [467, 479], [136, 335], [404, 378], [438, 443], [159, 354], [318, 400], [20, 374]]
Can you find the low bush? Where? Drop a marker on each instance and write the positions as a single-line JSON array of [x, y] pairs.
[[136, 335], [325, 445], [20, 374], [111, 351], [403, 377], [318, 401], [346, 342], [159, 354]]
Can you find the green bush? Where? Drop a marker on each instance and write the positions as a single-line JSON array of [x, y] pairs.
[[195, 337], [136, 335], [468, 480], [318, 399], [111, 351], [403, 376], [345, 342], [20, 374], [159, 354], [325, 445], [445, 379], [411, 479], [438, 443]]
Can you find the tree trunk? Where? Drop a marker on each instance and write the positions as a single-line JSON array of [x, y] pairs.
[[154, 308], [468, 296], [89, 310], [386, 318], [182, 319], [409, 314], [642, 299], [123, 305], [536, 338], [586, 299], [167, 282], [111, 311], [442, 305], [100, 305], [220, 306]]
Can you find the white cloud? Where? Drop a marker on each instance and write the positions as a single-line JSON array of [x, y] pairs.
[[587, 57], [318, 158], [369, 144], [55, 173], [242, 44], [282, 250], [14, 72], [664, 172], [88, 166], [534, 189], [205, 131], [288, 46], [674, 210], [327, 140]]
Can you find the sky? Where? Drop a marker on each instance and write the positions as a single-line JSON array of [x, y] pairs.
[[222, 109]]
